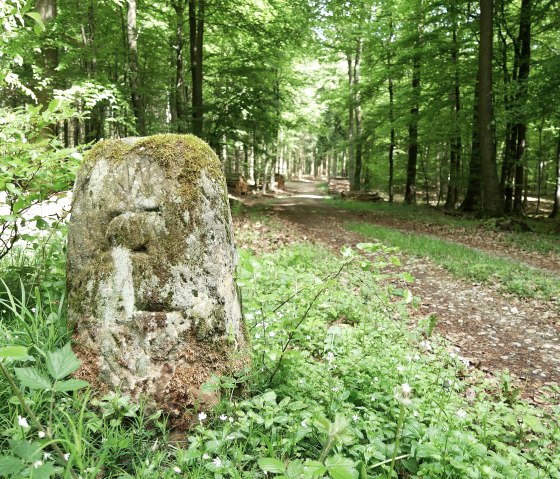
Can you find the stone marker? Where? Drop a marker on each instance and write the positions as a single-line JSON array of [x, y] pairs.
[[151, 259]]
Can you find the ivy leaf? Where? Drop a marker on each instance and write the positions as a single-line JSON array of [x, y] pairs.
[[33, 379], [62, 362], [70, 385], [268, 464]]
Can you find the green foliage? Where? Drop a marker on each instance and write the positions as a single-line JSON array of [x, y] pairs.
[[470, 263]]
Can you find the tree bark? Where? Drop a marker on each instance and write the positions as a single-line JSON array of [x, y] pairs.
[[492, 200], [358, 112], [351, 116], [180, 87], [410, 193], [134, 77], [456, 145], [522, 93], [556, 206], [196, 42]]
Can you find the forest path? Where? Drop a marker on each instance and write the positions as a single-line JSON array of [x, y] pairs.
[[493, 330]]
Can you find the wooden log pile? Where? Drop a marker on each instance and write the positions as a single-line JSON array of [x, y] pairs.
[[339, 185], [361, 195], [236, 182]]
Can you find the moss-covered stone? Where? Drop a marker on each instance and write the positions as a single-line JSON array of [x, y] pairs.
[[150, 268]]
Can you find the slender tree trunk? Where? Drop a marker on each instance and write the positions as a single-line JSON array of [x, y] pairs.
[[358, 112], [180, 88], [472, 199], [391, 113], [492, 200], [456, 145], [196, 39], [410, 193], [134, 78], [523, 78], [351, 117], [556, 206]]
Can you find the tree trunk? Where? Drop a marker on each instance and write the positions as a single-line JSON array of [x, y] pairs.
[[522, 80], [472, 198], [351, 116], [556, 206], [180, 87], [358, 112], [410, 193], [456, 145], [391, 115], [491, 200], [134, 78], [196, 40]]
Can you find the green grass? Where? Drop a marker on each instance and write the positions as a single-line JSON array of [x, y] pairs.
[[543, 240], [465, 262], [342, 386]]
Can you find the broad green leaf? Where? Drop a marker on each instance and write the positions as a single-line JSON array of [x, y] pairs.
[[37, 19], [269, 464], [44, 471], [54, 104], [315, 468], [70, 385], [62, 362], [408, 297], [396, 261], [408, 277], [27, 450], [295, 469], [534, 423], [32, 379], [340, 467], [10, 466], [14, 353]]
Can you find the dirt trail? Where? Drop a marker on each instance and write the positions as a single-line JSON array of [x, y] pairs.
[[494, 331]]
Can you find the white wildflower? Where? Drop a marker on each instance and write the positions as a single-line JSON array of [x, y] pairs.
[[217, 462], [355, 418], [22, 422], [330, 357], [400, 369], [461, 414], [177, 470], [67, 456], [230, 419], [41, 434], [202, 416], [406, 389], [37, 464], [223, 417], [47, 456], [205, 456], [272, 334], [376, 379], [303, 424], [230, 437]]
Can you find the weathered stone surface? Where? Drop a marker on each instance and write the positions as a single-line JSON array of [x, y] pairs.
[[151, 259]]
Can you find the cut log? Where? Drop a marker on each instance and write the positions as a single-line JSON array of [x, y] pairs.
[[236, 182], [361, 195], [339, 185]]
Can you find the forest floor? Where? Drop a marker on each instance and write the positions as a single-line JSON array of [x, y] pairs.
[[493, 330]]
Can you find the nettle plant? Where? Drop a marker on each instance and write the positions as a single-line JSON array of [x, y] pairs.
[[33, 457]]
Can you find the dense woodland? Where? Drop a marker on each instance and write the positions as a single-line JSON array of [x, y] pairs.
[[387, 93]]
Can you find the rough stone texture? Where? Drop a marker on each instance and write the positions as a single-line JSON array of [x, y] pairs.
[[151, 260]]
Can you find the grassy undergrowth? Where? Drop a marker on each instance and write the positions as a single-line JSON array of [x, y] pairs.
[[465, 262], [543, 239], [343, 386]]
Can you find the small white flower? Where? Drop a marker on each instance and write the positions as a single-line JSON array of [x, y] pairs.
[[217, 462], [230, 437], [303, 424], [202, 416], [272, 334], [257, 336], [46, 456], [177, 470], [41, 434], [330, 357], [376, 379], [301, 381], [461, 414], [205, 456], [223, 417], [406, 389], [33, 310], [415, 413], [37, 464], [335, 389], [373, 398], [67, 456], [355, 418], [426, 345], [22, 422], [452, 355], [400, 369], [416, 357], [230, 419]]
